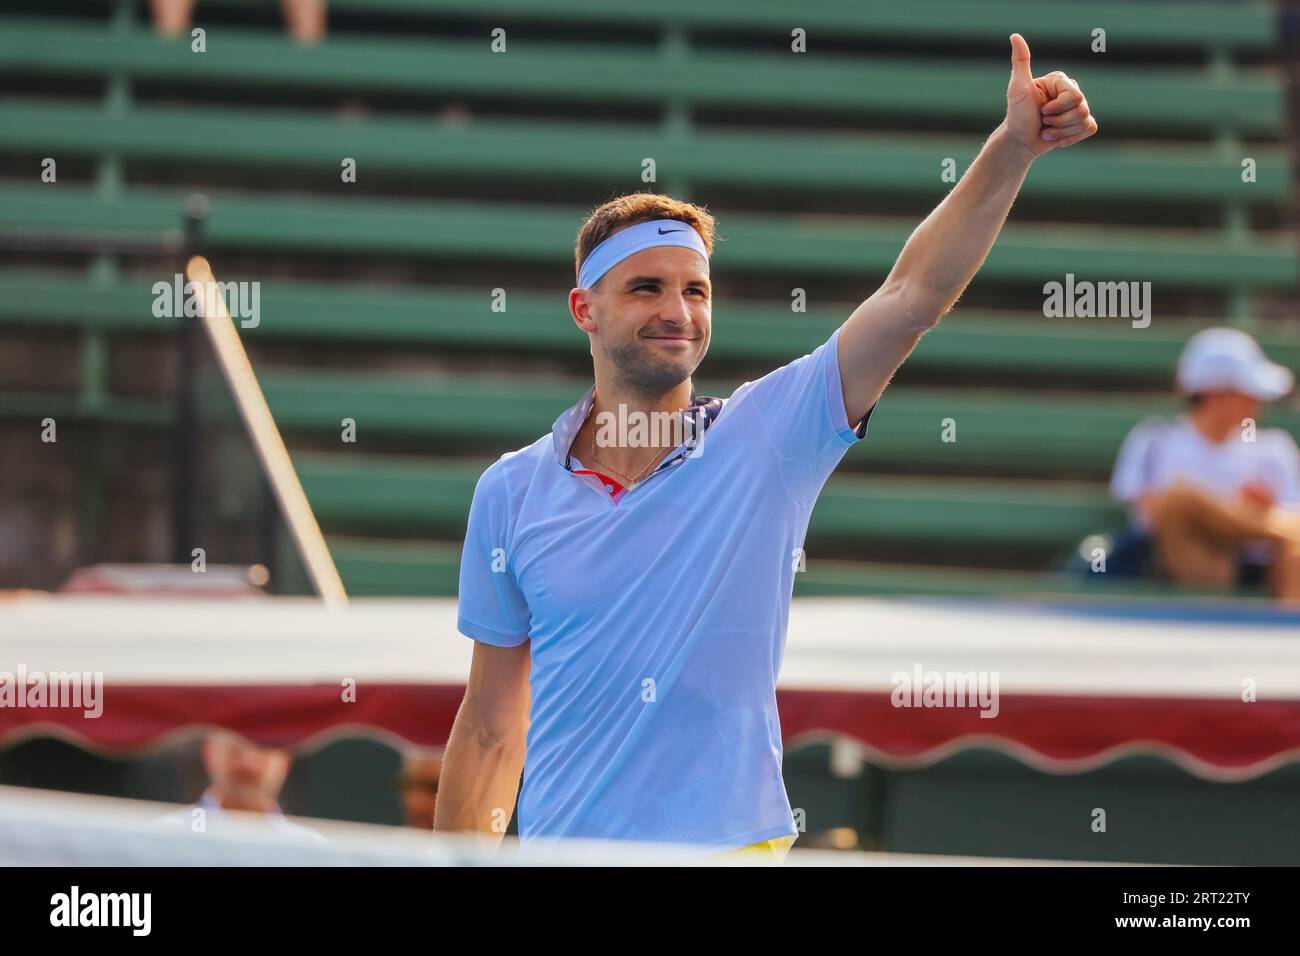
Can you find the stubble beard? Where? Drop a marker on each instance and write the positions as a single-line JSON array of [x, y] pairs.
[[645, 375]]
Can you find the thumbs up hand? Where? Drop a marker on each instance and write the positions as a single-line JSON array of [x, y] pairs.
[[1045, 113]]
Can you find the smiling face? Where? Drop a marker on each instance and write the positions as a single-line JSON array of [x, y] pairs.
[[649, 318]]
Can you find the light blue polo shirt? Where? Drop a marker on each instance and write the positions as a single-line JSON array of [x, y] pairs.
[[657, 621]]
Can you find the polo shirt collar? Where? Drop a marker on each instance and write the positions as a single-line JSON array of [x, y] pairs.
[[570, 421]]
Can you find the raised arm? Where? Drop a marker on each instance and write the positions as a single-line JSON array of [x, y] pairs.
[[947, 249]]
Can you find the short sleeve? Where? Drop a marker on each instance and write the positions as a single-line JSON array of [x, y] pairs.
[[1284, 468], [801, 407], [491, 608], [1134, 473]]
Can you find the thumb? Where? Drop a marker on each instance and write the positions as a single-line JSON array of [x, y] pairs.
[[1020, 72]]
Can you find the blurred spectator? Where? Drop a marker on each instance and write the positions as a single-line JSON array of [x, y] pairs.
[[418, 781], [243, 776], [1217, 497], [304, 18]]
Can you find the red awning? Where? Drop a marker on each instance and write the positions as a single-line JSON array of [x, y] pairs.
[[1073, 688]]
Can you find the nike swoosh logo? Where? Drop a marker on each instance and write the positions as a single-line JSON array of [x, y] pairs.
[[664, 232]]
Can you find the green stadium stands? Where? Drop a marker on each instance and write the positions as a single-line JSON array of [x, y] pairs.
[[763, 332], [411, 90]]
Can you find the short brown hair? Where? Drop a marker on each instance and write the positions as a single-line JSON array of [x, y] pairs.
[[610, 217]]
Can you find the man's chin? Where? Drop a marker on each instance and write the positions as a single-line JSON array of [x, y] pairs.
[[669, 374]]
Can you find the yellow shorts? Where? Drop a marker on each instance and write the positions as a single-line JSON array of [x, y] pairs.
[[775, 849]]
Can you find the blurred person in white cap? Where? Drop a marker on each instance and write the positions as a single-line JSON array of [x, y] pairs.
[[1219, 497]]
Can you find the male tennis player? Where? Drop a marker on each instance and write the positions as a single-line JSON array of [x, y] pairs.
[[643, 589]]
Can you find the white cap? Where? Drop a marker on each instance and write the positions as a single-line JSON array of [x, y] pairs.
[[1230, 360]]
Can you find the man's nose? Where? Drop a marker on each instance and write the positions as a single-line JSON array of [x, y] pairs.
[[676, 312]]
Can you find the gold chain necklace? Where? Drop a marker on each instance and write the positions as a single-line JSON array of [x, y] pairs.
[[618, 474]]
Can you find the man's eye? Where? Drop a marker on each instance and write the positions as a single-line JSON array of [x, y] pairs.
[[655, 288]]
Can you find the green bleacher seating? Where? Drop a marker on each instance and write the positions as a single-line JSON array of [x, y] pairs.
[[1041, 404]]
